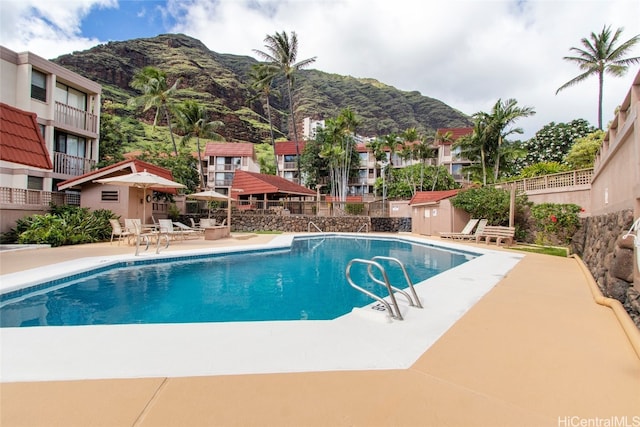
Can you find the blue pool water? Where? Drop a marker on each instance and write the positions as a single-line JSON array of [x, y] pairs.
[[304, 282]]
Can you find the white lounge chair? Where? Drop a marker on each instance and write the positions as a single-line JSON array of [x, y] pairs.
[[465, 231], [186, 230]]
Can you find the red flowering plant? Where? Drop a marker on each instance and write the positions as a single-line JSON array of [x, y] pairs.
[[555, 223]]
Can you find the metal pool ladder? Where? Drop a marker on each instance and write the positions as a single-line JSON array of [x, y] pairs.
[[414, 300]]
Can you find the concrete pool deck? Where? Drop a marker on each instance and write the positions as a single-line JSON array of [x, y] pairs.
[[535, 350]]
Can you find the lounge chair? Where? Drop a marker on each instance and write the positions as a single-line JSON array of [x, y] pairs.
[[117, 231], [186, 230], [472, 236], [466, 231]]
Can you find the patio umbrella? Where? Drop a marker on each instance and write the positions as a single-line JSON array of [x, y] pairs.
[[144, 180], [210, 195]]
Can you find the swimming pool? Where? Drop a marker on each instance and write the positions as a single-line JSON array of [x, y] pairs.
[[350, 342], [303, 282]]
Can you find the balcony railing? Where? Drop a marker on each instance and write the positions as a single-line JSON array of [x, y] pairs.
[[21, 196], [76, 118], [575, 178], [290, 165], [72, 165], [224, 168]]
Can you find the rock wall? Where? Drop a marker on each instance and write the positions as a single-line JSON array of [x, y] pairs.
[[251, 222], [609, 257]]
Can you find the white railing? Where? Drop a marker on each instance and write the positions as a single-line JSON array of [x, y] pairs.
[[74, 117], [21, 196], [72, 165], [580, 177]]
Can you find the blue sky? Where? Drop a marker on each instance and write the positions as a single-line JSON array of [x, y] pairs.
[[131, 19], [466, 53]]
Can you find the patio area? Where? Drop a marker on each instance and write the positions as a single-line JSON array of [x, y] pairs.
[[536, 350]]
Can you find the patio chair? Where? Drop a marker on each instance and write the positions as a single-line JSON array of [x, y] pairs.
[[165, 226], [465, 231], [117, 231], [207, 222], [193, 224], [188, 231]]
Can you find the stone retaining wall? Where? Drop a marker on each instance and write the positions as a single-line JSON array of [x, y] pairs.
[[610, 258], [251, 222]]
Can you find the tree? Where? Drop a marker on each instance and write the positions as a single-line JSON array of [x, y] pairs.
[[502, 116], [474, 146], [156, 93], [553, 142], [192, 120], [262, 76], [583, 152], [339, 148], [281, 53], [600, 55]]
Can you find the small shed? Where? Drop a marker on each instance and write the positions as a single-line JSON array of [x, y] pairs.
[[127, 202], [432, 213]]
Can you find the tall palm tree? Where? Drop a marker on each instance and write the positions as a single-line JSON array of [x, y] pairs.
[[152, 82], [474, 146], [281, 52], [262, 76], [192, 120], [502, 116], [600, 55]]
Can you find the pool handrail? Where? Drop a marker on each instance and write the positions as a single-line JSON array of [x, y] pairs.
[[394, 314], [416, 301], [309, 227]]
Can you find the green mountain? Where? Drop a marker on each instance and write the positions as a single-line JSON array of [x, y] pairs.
[[221, 82]]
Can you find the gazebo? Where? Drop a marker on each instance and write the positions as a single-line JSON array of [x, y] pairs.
[[259, 191]]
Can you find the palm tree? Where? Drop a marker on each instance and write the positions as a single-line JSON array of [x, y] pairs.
[[262, 76], [474, 146], [192, 120], [502, 116], [281, 53], [599, 56], [152, 82]]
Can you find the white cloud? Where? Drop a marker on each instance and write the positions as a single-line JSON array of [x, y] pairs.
[[467, 53], [48, 28]]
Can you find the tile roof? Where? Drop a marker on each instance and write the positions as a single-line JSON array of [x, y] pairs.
[[257, 183], [20, 138], [423, 197], [128, 166], [456, 132], [229, 149], [288, 148]]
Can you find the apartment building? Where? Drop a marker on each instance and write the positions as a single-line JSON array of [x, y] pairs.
[[448, 156], [50, 125], [67, 108], [222, 159], [287, 159]]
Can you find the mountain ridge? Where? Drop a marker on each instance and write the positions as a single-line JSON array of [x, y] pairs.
[[221, 82]]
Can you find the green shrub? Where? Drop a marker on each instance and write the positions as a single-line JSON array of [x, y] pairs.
[[555, 223], [64, 225], [354, 208]]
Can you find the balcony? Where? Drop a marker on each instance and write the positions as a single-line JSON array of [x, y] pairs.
[[290, 166], [223, 168], [21, 197], [76, 118], [66, 164]]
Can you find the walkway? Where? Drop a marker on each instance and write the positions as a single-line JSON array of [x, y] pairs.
[[535, 351]]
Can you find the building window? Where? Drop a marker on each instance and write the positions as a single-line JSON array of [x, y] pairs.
[[71, 97], [109, 196], [70, 144], [42, 129], [35, 183], [38, 86]]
